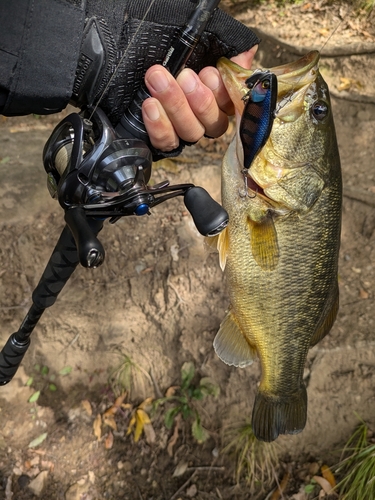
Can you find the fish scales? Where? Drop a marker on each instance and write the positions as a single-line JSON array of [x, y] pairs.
[[280, 249]]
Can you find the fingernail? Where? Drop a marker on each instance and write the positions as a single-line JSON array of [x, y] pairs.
[[152, 111], [158, 81], [187, 81]]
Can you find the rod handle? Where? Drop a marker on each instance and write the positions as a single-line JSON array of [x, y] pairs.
[[11, 356]]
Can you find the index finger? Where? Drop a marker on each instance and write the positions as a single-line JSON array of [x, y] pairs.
[[211, 78]]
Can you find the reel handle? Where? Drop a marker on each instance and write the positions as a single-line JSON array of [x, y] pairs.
[[209, 216], [90, 251]]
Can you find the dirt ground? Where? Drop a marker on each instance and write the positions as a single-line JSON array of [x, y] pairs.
[[159, 299]]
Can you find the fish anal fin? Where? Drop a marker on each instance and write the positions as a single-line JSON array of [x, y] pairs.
[[264, 244], [275, 415], [231, 345], [328, 318]]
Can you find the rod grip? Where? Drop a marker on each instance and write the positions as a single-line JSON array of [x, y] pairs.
[[11, 356]]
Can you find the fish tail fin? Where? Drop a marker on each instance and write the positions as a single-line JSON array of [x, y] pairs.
[[275, 415]]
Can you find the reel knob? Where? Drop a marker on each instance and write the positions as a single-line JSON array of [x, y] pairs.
[[209, 216]]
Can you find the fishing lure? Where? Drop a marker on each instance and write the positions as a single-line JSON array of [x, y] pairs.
[[259, 113]]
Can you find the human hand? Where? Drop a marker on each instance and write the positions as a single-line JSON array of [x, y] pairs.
[[188, 107]]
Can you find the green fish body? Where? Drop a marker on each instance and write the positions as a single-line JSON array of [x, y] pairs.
[[280, 249]]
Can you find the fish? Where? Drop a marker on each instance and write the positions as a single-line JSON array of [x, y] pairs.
[[279, 251]]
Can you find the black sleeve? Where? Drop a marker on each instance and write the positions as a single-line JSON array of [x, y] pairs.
[[39, 47], [43, 60]]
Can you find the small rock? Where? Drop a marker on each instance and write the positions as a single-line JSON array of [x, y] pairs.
[[23, 481], [76, 491], [127, 466], [38, 484], [192, 491]]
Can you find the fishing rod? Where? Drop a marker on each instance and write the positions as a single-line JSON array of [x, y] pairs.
[[99, 172]]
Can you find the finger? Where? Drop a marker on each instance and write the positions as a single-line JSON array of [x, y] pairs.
[[159, 128], [166, 90], [203, 103], [211, 78], [245, 59]]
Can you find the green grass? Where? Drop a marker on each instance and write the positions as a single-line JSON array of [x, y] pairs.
[[357, 467], [183, 400], [255, 461]]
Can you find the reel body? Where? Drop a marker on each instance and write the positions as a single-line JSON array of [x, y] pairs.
[[95, 173]]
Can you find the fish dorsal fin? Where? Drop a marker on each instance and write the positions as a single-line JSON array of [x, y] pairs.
[[264, 245], [231, 345], [328, 318]]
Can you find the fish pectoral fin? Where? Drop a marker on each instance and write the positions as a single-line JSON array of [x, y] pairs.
[[327, 319], [231, 345], [275, 415], [263, 241], [219, 243]]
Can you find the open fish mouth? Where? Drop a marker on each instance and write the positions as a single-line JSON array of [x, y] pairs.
[[290, 77], [296, 82]]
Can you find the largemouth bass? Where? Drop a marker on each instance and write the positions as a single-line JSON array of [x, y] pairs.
[[280, 248]]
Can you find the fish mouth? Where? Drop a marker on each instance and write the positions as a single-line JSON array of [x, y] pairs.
[[290, 77], [293, 81]]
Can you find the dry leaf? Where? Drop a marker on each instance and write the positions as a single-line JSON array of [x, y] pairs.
[[327, 474], [146, 404], [131, 425], [174, 436], [120, 400], [363, 295], [180, 469], [109, 441], [278, 493], [192, 491], [87, 406], [171, 391], [324, 484], [109, 419], [149, 433], [46, 464], [97, 425], [142, 419]]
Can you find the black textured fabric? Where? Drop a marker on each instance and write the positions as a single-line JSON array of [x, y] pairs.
[[39, 44], [145, 41]]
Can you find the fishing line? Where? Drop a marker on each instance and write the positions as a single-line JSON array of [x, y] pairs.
[[288, 97], [130, 44]]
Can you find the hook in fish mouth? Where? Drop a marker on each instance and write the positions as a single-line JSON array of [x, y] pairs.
[[251, 185]]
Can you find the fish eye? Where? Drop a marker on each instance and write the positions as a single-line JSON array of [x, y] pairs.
[[319, 110], [265, 84]]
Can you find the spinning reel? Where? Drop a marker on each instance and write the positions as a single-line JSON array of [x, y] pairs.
[[94, 173]]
